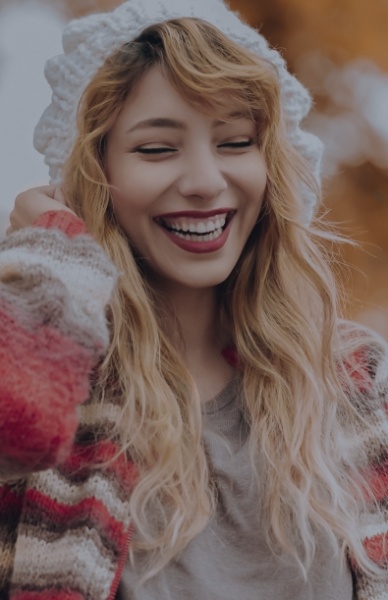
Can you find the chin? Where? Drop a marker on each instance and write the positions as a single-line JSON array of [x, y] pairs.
[[203, 282]]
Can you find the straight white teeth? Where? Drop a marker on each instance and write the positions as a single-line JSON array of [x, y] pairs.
[[200, 227], [199, 238]]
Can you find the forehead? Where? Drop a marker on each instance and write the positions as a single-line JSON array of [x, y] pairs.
[[155, 94]]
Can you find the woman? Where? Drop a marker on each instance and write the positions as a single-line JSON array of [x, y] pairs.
[[195, 421]]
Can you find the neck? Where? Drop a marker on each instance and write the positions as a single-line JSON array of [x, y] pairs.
[[193, 324], [193, 318]]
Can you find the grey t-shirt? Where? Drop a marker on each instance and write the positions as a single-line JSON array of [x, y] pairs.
[[230, 559]]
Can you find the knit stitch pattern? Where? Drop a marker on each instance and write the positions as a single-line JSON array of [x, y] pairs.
[[89, 41], [53, 330]]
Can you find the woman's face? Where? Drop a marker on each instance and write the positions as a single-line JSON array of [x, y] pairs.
[[187, 187]]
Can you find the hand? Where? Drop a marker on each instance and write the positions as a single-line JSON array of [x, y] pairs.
[[29, 205]]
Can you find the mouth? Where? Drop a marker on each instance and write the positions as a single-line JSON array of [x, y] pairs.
[[196, 226]]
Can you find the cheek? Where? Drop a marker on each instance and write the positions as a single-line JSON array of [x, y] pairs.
[[138, 187], [258, 174], [128, 204], [254, 183], [254, 187], [131, 218], [251, 173]]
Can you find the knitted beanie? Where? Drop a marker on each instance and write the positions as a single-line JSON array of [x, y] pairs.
[[89, 41]]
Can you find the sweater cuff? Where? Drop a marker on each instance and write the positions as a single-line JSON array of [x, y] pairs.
[[62, 220]]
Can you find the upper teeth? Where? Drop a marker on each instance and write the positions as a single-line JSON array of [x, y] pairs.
[[196, 226]]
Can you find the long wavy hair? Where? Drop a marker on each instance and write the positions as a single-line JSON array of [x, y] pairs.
[[279, 305]]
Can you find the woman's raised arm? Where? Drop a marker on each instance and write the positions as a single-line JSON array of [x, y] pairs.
[[55, 282]]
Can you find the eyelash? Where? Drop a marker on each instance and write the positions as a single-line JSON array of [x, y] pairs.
[[242, 144], [163, 150], [154, 150]]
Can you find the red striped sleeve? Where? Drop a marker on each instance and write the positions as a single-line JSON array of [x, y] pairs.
[[89, 510], [102, 453], [63, 220], [43, 376]]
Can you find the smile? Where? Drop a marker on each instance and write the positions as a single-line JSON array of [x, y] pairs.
[[189, 227], [197, 231]]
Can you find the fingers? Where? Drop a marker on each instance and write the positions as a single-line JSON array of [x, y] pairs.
[[32, 203], [48, 190]]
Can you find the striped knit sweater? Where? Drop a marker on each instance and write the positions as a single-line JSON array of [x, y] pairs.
[[64, 519]]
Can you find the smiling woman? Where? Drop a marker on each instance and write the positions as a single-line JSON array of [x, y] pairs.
[[184, 185], [200, 423]]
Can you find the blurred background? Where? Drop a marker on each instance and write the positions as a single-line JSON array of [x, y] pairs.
[[337, 48]]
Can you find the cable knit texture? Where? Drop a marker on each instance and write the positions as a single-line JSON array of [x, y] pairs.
[[88, 41], [64, 513]]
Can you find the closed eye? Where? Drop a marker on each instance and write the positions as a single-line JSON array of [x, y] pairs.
[[165, 149], [156, 150], [240, 144]]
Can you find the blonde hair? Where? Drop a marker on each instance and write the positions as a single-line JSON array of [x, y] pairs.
[[279, 304]]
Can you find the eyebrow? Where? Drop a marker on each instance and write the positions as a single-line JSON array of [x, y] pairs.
[[158, 122], [166, 123]]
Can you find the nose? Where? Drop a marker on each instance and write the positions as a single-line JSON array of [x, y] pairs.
[[203, 177]]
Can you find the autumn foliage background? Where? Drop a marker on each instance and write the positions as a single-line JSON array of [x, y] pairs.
[[338, 48]]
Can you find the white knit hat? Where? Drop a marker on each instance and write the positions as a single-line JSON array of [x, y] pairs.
[[89, 41]]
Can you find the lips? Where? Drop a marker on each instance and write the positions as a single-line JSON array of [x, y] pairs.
[[196, 224], [197, 231]]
